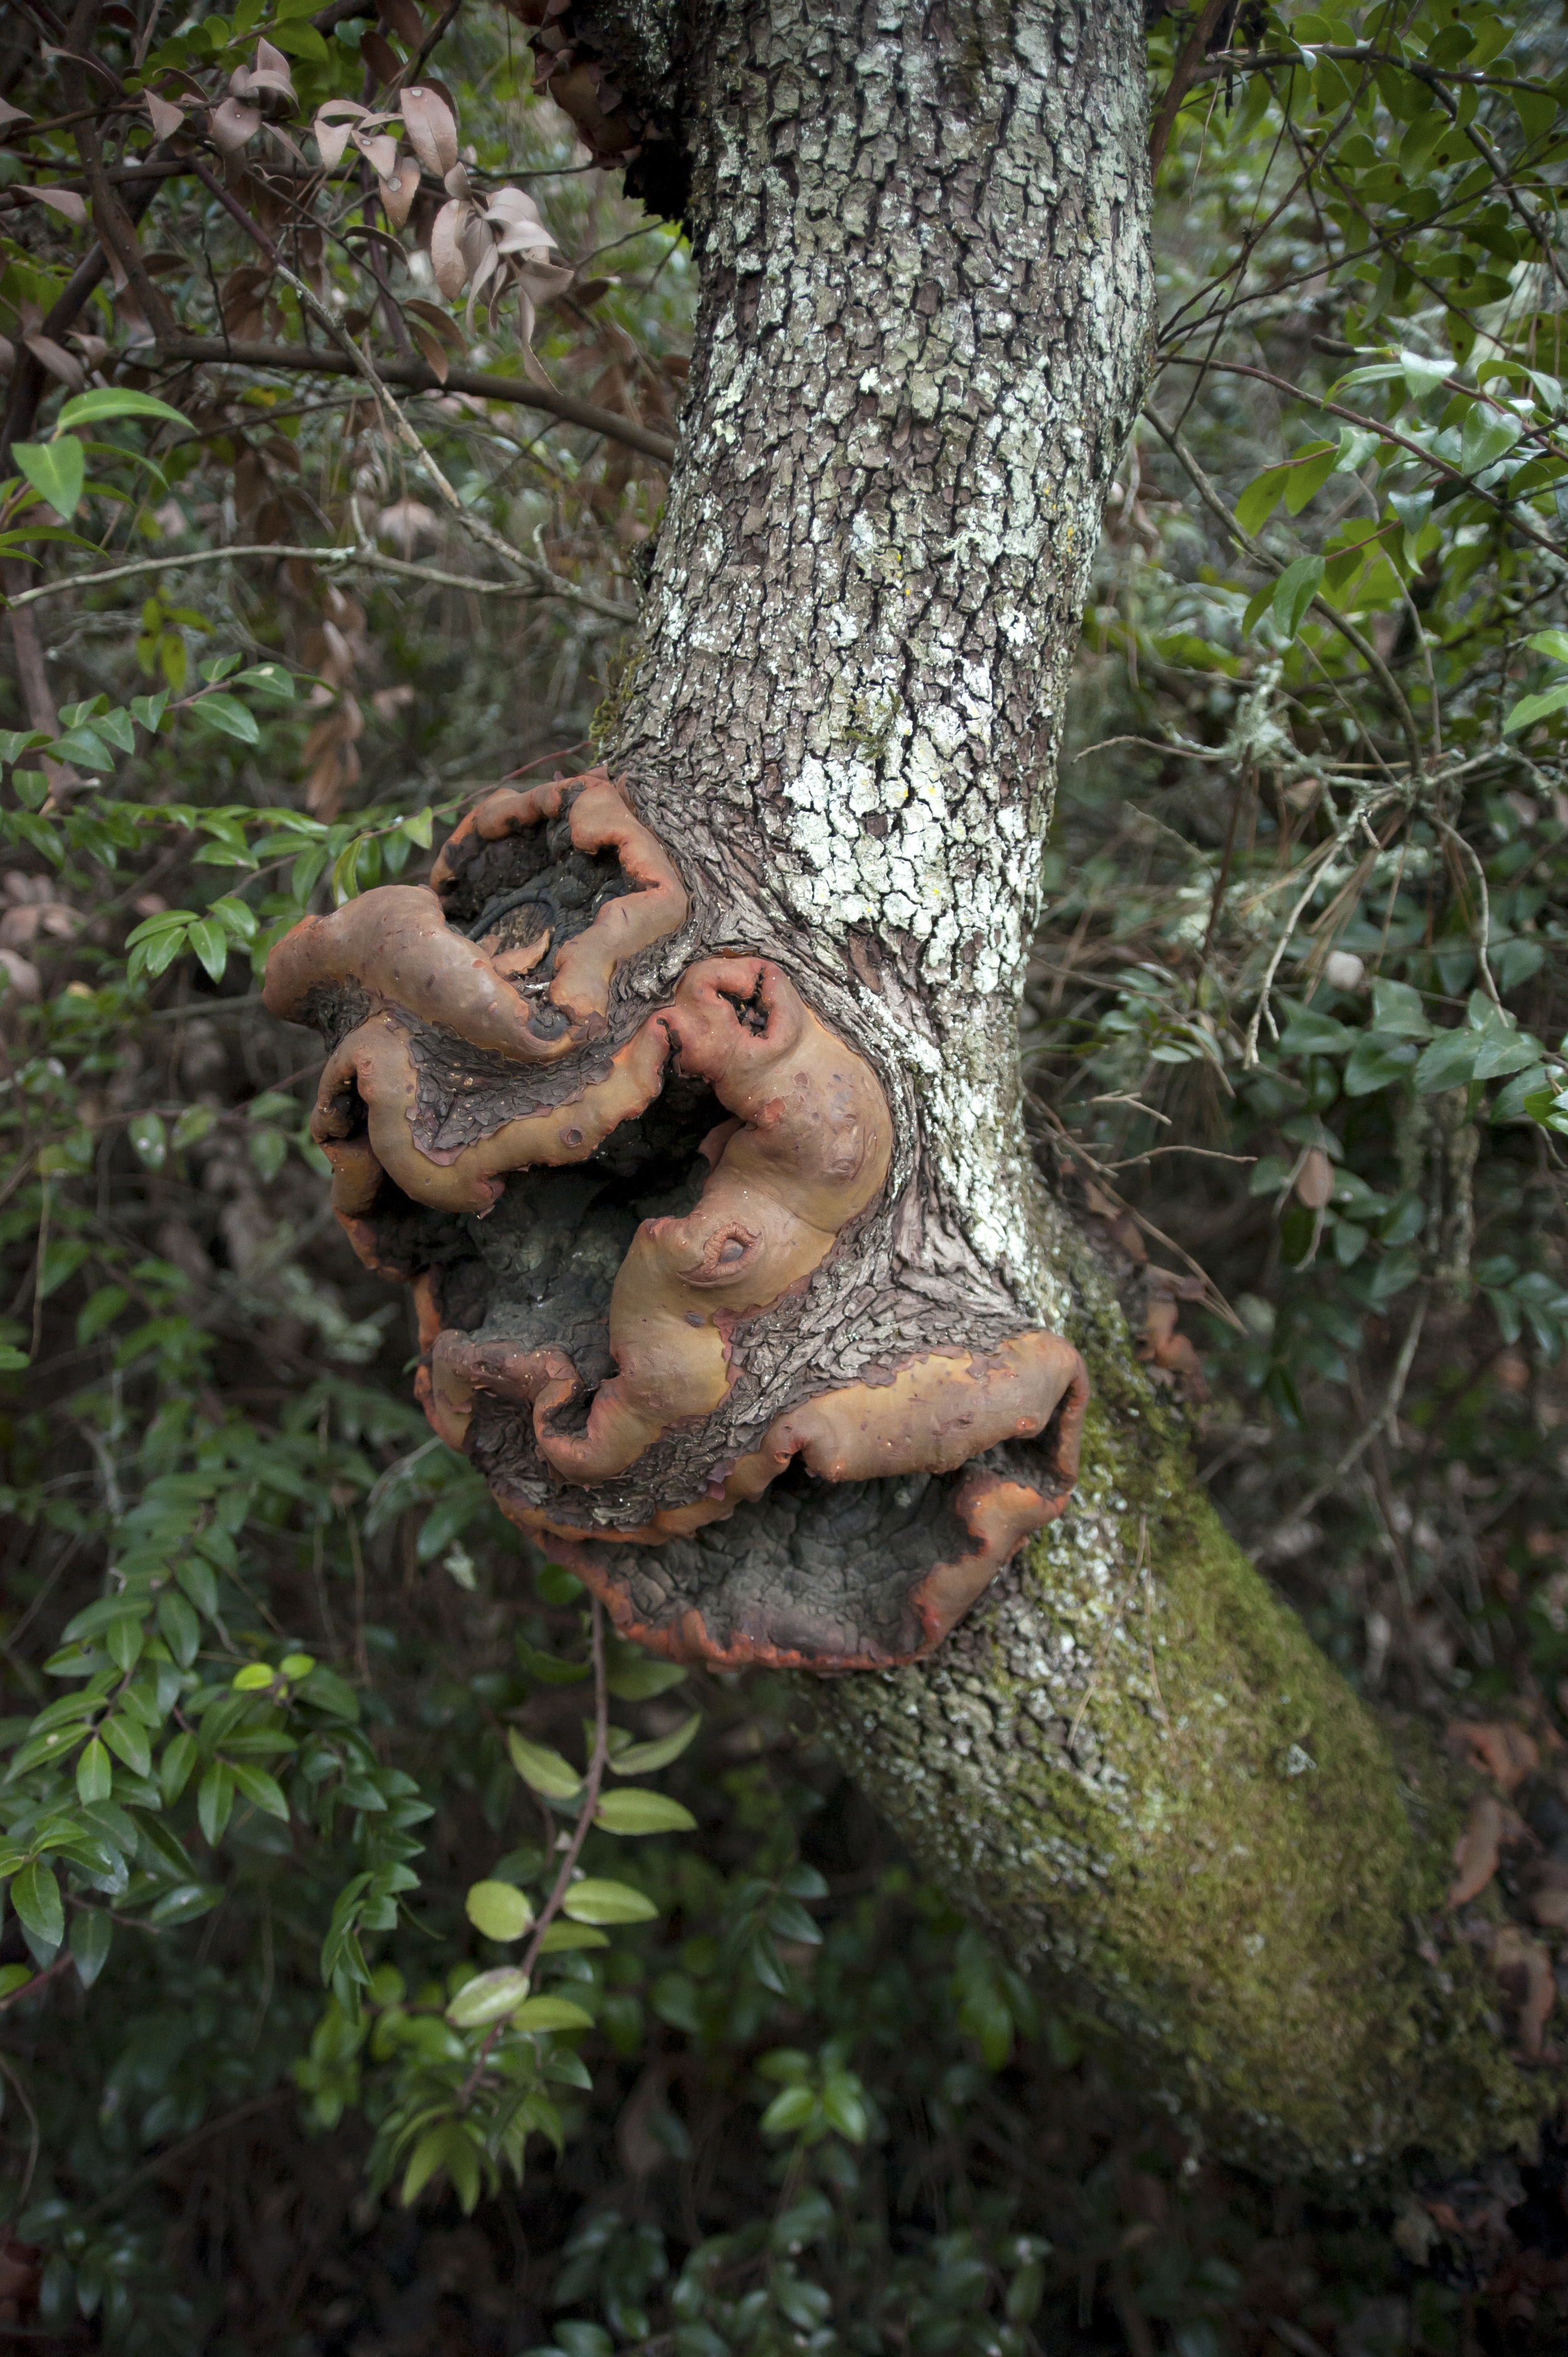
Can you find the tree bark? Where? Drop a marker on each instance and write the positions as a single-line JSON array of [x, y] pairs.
[[923, 336], [925, 306]]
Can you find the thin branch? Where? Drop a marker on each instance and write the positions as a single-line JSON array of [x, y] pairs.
[[1384, 1417], [417, 376], [1184, 75], [1213, 1298], [541, 583], [562, 1884]]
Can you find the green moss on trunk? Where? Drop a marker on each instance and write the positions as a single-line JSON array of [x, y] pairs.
[[1135, 1768]]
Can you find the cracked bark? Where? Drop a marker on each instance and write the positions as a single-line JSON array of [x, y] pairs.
[[926, 305], [922, 339]]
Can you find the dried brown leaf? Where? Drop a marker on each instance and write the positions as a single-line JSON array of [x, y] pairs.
[[164, 117], [402, 18], [433, 350], [447, 258], [432, 128], [57, 360], [1502, 1750], [1315, 1179], [63, 200], [1476, 1851], [381, 57], [400, 191], [233, 124]]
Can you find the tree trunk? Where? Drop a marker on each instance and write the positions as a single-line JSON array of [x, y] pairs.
[[925, 318], [926, 306]]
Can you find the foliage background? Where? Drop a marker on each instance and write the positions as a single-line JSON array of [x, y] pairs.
[[808, 2108]]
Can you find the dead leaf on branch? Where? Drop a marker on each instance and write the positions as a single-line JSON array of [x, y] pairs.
[[1315, 1179]]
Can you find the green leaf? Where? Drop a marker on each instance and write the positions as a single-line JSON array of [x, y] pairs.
[[488, 1997], [174, 1768], [297, 41], [551, 2013], [214, 1801], [99, 1311], [596, 1901], [211, 945], [193, 1124], [643, 1813], [94, 1772], [1397, 1007], [124, 1640], [84, 747], [56, 471], [1551, 642], [643, 1759], [270, 680], [548, 1668], [1449, 1061], [1394, 1274], [34, 1895], [1422, 376], [1513, 1104], [128, 1742], [562, 1937], [1307, 1033], [1534, 707], [1295, 591], [1261, 497], [544, 1770], [1377, 1063], [15, 742], [1488, 436], [263, 1792], [90, 1933], [637, 1677], [1309, 471], [226, 716], [499, 1909], [843, 2105], [149, 1139], [788, 2110], [92, 408], [268, 1149], [185, 1903], [430, 2153]]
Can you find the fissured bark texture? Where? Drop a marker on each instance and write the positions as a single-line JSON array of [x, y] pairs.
[[925, 316]]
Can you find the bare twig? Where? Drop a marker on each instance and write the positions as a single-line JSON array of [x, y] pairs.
[[415, 375], [540, 582], [1379, 1424]]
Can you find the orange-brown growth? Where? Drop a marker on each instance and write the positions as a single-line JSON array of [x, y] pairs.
[[502, 1036], [396, 944], [809, 1149]]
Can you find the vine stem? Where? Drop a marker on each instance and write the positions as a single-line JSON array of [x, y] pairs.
[[562, 1884]]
